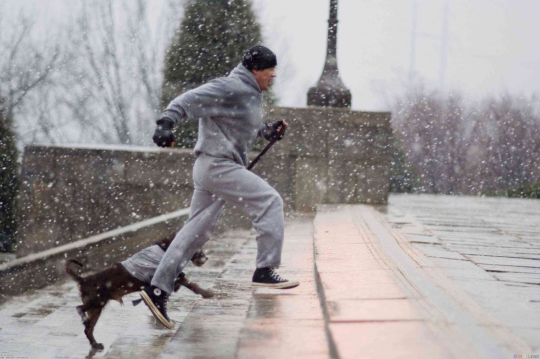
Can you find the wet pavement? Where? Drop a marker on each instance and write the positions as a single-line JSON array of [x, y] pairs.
[[370, 305], [489, 249], [246, 322], [45, 324], [425, 276], [287, 323]]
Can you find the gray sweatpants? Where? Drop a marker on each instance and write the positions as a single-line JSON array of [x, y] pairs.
[[216, 181]]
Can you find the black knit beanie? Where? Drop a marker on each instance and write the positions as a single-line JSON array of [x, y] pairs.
[[259, 58]]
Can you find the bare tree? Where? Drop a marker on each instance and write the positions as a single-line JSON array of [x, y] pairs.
[[485, 147], [508, 132], [114, 81], [105, 86], [26, 64]]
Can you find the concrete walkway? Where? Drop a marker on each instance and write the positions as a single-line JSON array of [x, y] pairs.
[[424, 277], [487, 250]]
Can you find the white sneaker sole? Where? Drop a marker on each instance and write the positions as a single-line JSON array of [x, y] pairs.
[[285, 285], [155, 311]]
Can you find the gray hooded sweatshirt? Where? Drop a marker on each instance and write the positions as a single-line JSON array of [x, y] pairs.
[[230, 114]]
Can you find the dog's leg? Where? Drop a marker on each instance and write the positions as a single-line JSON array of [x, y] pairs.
[[195, 288], [93, 316], [81, 309]]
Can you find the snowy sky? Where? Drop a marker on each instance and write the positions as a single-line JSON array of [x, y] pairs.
[[490, 44]]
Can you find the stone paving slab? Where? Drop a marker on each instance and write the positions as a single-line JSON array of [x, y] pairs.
[[508, 269], [510, 252], [387, 339], [442, 252], [376, 310], [505, 261], [528, 278], [345, 285]]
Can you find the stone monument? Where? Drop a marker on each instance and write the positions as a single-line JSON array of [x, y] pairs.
[[330, 90]]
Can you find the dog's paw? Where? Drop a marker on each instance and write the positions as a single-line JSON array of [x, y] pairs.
[[207, 294], [98, 346]]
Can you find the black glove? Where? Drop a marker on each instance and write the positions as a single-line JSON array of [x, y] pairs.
[[271, 132], [164, 137]]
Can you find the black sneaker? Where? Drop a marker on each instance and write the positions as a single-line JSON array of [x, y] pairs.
[[156, 300], [266, 277]]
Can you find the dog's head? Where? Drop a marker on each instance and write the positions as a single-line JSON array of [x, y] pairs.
[[199, 258]]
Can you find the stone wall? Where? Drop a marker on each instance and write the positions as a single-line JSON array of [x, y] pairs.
[[335, 155], [72, 192]]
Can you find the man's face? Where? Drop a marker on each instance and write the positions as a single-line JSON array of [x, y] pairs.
[[264, 77]]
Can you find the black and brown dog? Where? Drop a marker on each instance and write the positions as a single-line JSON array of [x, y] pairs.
[[113, 283]]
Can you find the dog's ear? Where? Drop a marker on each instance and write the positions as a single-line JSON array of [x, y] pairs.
[[166, 242]]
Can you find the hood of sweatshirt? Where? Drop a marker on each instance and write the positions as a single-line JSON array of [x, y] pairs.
[[246, 76]]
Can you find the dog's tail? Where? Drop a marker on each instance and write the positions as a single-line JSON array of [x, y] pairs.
[[71, 273]]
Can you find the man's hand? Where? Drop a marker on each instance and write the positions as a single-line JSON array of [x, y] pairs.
[[275, 130], [164, 137]]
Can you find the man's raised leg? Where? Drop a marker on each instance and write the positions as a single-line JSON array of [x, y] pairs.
[[205, 211]]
